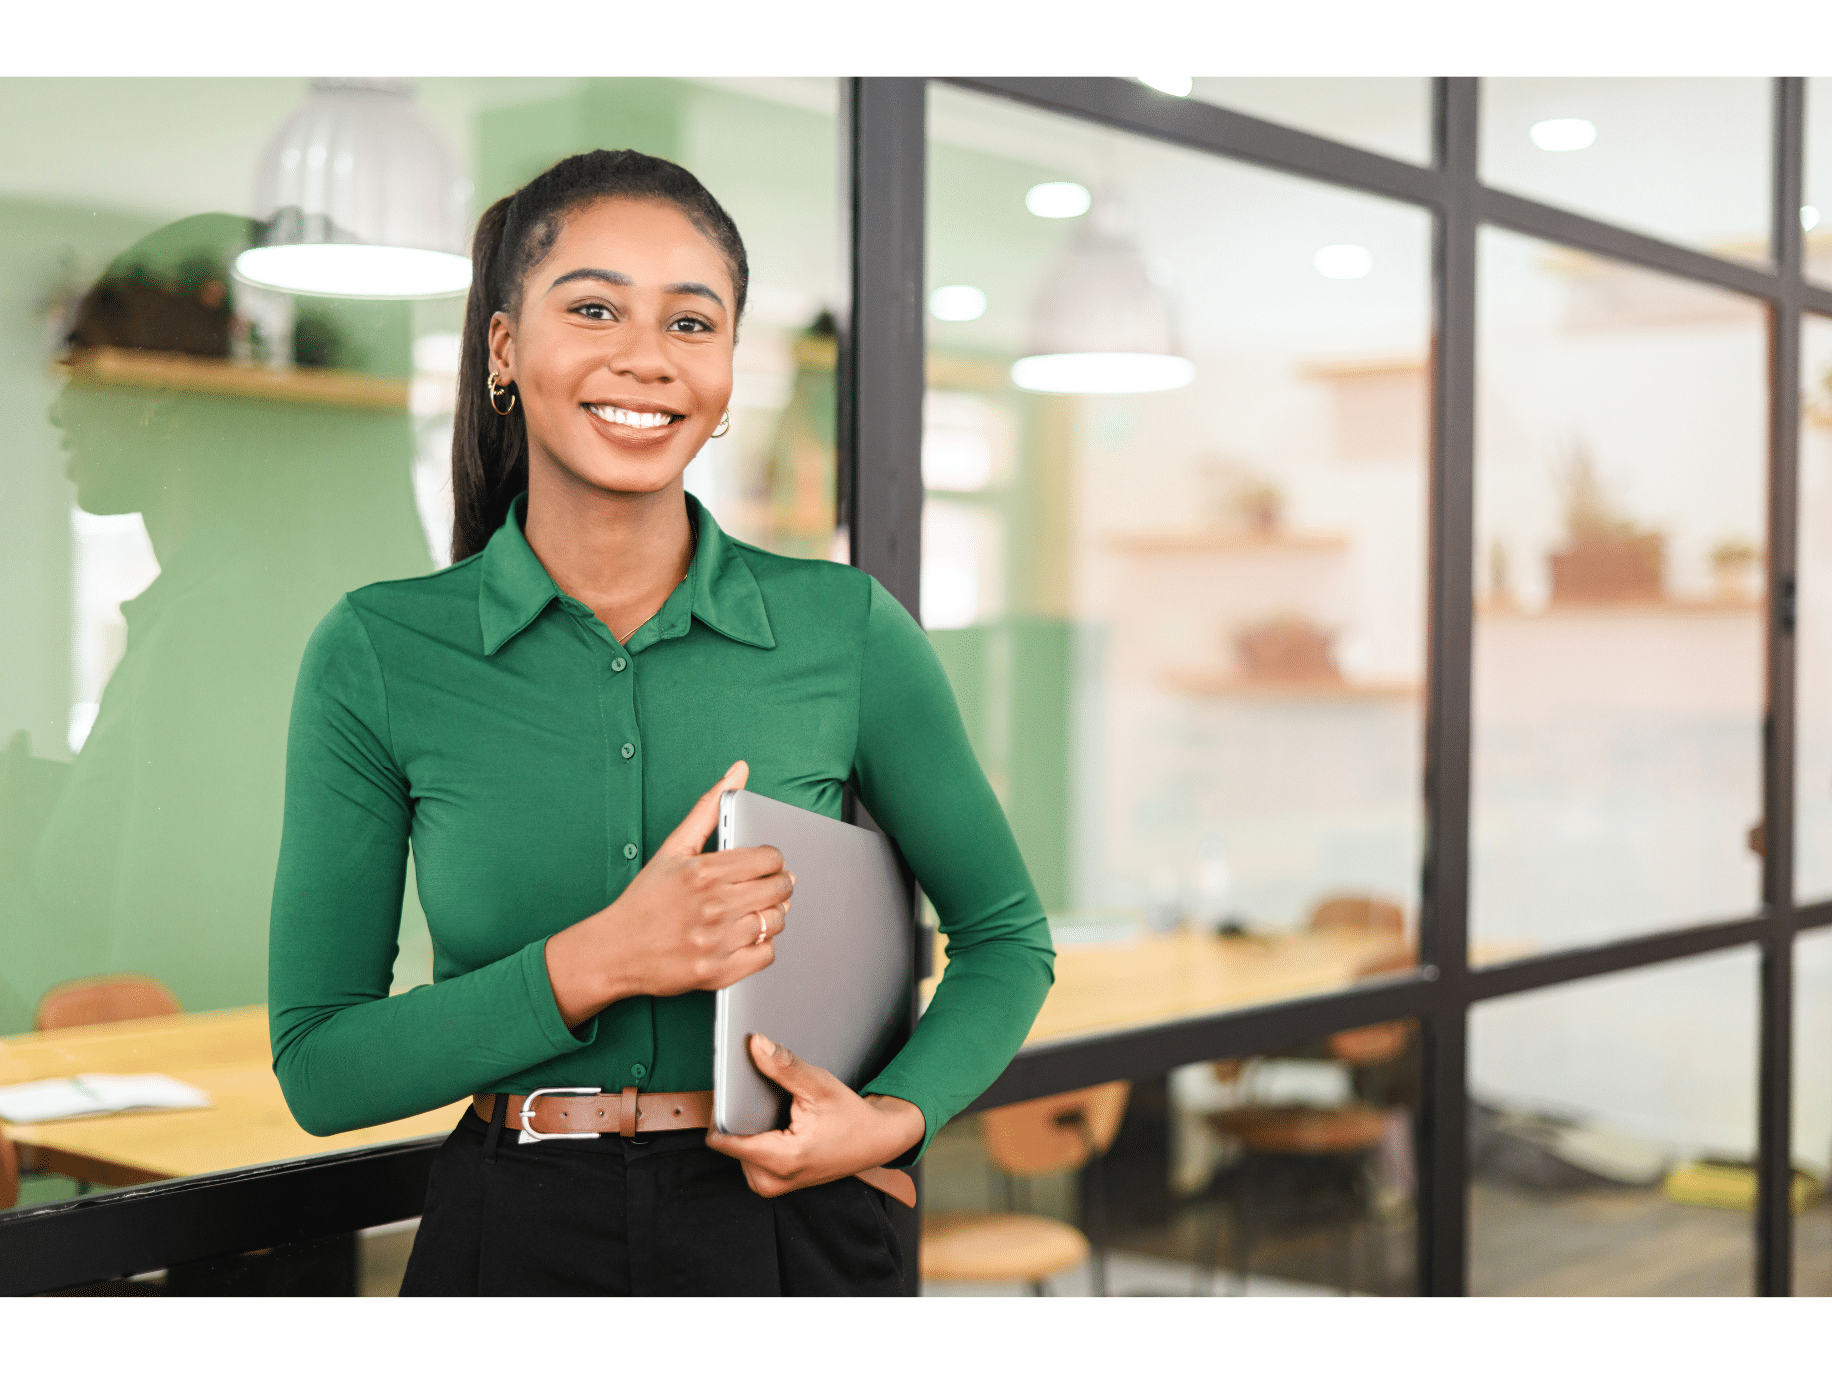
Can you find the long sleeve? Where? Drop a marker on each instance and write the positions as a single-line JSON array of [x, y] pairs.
[[918, 777], [346, 1053]]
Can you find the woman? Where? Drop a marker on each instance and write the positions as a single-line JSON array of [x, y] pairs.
[[538, 721]]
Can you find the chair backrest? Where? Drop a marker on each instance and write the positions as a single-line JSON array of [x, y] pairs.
[[1360, 912], [9, 1173], [92, 1001], [1062, 1131]]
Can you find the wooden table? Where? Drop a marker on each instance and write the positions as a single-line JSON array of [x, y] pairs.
[[223, 1052], [1099, 987], [1153, 978]]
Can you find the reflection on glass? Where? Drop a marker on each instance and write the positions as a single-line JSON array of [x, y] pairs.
[[1682, 158], [1816, 212], [198, 468], [1285, 1174], [1184, 625], [1813, 1113], [1384, 114], [1813, 639], [1613, 1134], [1618, 647]]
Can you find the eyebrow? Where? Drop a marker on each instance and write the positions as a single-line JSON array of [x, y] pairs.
[[679, 288]]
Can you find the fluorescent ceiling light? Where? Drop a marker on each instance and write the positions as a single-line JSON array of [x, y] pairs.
[[1102, 374], [1809, 217], [957, 303], [1344, 261], [362, 270], [1170, 85], [1058, 200], [1563, 135]]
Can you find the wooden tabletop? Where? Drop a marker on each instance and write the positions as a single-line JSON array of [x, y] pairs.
[[1153, 978], [223, 1052]]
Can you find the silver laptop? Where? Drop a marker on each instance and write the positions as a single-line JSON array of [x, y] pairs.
[[839, 992]]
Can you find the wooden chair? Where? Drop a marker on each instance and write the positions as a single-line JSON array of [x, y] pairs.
[[1293, 1145], [1044, 1136], [113, 997], [1359, 912]]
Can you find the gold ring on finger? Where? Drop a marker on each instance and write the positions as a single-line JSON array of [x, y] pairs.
[[763, 929]]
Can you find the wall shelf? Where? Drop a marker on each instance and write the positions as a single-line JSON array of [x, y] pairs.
[[139, 367], [1223, 542], [1211, 682]]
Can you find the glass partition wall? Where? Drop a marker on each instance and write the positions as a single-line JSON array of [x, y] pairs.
[[1370, 541]]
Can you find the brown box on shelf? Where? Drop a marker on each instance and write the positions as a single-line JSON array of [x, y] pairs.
[[1288, 648], [1628, 567]]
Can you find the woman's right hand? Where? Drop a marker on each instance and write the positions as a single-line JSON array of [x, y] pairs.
[[687, 922]]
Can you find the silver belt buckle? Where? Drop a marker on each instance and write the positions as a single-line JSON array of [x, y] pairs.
[[530, 1135]]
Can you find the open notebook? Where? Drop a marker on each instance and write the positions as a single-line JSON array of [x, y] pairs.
[[95, 1094]]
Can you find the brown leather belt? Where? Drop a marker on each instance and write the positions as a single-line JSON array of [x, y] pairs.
[[558, 1113]]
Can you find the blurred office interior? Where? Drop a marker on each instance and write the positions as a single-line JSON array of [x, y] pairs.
[[1189, 455]]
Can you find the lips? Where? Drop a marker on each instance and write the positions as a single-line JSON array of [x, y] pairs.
[[635, 419]]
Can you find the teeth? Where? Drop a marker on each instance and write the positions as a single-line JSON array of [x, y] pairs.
[[636, 419]]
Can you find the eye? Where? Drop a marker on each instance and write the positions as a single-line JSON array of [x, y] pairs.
[[690, 324], [593, 310]]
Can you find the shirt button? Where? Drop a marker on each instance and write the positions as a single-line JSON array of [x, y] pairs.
[[638, 1071], [629, 750], [629, 851], [618, 665]]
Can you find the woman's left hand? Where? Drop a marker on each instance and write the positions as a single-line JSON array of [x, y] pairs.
[[832, 1132]]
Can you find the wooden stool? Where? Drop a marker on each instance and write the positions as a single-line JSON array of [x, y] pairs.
[[1046, 1135]]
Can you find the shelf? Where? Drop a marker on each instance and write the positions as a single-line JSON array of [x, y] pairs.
[[1223, 541], [1209, 682], [1618, 610], [139, 367], [944, 371], [1404, 364]]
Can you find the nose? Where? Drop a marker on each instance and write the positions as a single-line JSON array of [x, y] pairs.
[[639, 353]]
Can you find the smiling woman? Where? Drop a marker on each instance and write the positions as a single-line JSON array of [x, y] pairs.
[[536, 720]]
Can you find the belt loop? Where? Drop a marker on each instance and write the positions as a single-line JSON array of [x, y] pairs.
[[498, 1110], [626, 1126]]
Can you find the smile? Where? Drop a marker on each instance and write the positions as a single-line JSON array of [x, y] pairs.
[[636, 419]]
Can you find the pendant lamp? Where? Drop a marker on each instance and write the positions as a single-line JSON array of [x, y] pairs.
[[359, 196], [1098, 325]]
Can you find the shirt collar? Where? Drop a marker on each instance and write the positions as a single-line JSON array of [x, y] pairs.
[[721, 592]]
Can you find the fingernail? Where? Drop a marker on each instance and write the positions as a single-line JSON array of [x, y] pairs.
[[769, 1045], [791, 882]]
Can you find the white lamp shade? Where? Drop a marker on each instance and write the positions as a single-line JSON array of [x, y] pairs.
[[357, 166], [1098, 324]]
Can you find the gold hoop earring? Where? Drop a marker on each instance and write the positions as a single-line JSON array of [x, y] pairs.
[[725, 425], [496, 391]]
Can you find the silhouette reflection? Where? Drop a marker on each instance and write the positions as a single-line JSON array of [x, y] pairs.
[[153, 852]]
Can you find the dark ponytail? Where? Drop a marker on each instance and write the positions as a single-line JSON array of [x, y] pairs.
[[490, 449]]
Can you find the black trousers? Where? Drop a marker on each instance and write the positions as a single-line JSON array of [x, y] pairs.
[[658, 1216]]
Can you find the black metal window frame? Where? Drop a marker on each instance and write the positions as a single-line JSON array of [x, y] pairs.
[[883, 156]]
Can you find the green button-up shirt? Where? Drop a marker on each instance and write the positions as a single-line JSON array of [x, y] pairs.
[[534, 764]]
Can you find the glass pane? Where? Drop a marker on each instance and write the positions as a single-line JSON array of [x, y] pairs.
[[1813, 1113], [1813, 642], [1185, 626], [219, 464], [1618, 649], [1286, 1174], [1816, 214], [1613, 1134], [1682, 158], [1384, 114]]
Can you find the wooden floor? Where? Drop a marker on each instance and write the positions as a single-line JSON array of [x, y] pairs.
[[1628, 1243]]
